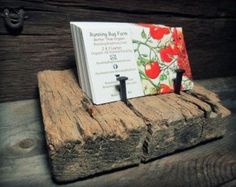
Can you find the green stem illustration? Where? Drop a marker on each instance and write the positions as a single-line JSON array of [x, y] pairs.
[[146, 78], [147, 45], [166, 67]]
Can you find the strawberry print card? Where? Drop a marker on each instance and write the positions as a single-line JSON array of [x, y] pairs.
[[148, 54], [159, 51]]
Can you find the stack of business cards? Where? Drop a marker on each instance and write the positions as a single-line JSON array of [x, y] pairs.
[[147, 54]]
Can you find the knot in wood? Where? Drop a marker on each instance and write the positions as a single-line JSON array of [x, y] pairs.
[[26, 143]]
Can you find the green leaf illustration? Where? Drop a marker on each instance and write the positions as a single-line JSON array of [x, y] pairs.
[[143, 35], [162, 77], [141, 61], [142, 76]]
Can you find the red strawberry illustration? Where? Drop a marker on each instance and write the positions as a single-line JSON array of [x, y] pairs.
[[156, 32], [165, 88], [167, 54], [152, 70], [180, 49]]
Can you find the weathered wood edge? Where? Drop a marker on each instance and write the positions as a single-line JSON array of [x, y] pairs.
[[81, 143], [198, 166], [212, 98], [168, 133]]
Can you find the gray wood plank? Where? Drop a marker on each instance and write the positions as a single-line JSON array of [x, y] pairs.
[[207, 165], [229, 184], [21, 130]]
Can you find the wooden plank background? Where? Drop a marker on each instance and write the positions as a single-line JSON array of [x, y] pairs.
[[45, 42]]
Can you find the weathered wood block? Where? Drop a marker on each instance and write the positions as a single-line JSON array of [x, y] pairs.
[[177, 122], [81, 142], [84, 139]]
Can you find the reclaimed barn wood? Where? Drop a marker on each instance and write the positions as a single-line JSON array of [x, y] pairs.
[[85, 139], [211, 164], [45, 42], [176, 121], [80, 143]]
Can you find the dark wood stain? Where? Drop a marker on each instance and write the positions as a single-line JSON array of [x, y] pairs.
[[45, 42]]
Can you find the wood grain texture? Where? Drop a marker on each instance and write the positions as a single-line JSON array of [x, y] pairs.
[[45, 42], [211, 164], [82, 145], [15, 140], [179, 121], [85, 139]]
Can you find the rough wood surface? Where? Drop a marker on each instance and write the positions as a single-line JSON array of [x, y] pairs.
[[45, 42], [211, 164], [176, 122], [85, 139], [81, 145]]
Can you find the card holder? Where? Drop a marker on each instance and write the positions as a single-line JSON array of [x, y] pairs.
[[151, 56]]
